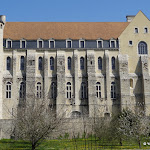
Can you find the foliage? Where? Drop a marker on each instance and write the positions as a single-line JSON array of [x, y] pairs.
[[134, 125]]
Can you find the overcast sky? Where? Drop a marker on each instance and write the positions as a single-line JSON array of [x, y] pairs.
[[72, 10]]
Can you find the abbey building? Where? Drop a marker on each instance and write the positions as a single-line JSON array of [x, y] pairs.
[[91, 68]]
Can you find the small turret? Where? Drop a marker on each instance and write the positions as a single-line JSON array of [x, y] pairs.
[[2, 19]]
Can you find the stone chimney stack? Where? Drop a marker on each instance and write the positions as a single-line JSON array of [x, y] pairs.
[[130, 18]]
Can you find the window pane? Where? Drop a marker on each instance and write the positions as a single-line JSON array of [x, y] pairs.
[[9, 44], [51, 44], [99, 44], [113, 44], [69, 44], [23, 44], [40, 44], [82, 44]]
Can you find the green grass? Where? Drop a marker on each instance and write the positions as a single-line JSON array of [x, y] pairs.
[[74, 144]]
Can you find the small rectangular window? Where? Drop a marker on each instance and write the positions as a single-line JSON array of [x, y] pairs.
[[145, 30], [40, 44], [99, 44], [68, 44], [130, 43], [112, 44], [136, 30], [82, 44], [51, 44], [23, 44], [8, 44]]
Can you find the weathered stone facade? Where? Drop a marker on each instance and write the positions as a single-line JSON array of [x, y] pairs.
[[79, 81]]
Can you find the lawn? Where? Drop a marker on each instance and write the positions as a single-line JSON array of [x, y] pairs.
[[71, 144]]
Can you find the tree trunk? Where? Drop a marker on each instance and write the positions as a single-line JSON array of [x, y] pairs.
[[33, 146], [139, 142], [120, 142]]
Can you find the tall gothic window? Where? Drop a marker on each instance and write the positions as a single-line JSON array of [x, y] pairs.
[[99, 63], [40, 63], [53, 90], [142, 48], [8, 63], [98, 90], [22, 63], [82, 63], [113, 90], [8, 90], [51, 63], [69, 63], [39, 90], [113, 63], [68, 90], [83, 91], [22, 90]]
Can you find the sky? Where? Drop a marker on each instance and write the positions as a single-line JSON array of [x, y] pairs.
[[72, 10]]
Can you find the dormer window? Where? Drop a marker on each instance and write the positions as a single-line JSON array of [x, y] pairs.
[[81, 43], [40, 43], [22, 43], [8, 43], [145, 30], [51, 43], [68, 43], [112, 43], [136, 30], [99, 44]]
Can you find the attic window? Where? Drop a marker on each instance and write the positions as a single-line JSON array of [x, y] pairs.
[[8, 44], [68, 44], [136, 30], [112, 44], [81, 44], [22, 44], [99, 44], [40, 44], [145, 30], [51, 44]]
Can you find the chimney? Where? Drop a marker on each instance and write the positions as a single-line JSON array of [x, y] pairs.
[[130, 18]]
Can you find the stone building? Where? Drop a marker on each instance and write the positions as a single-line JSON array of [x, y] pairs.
[[92, 68]]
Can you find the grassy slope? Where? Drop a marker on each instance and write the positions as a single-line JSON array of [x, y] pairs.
[[64, 144]]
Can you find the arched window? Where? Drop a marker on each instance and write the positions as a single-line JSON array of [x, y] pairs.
[[99, 63], [53, 90], [22, 62], [113, 90], [98, 90], [69, 63], [22, 90], [8, 90], [83, 91], [82, 63], [39, 90], [131, 83], [142, 48], [113, 63], [40, 63], [8, 63], [68, 90], [51, 63]]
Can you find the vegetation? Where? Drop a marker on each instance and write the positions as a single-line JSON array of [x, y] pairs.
[[66, 144], [34, 125]]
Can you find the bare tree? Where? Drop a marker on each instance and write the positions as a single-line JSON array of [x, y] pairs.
[[35, 123], [134, 125], [102, 128]]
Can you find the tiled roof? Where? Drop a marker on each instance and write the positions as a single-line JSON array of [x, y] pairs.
[[63, 30]]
